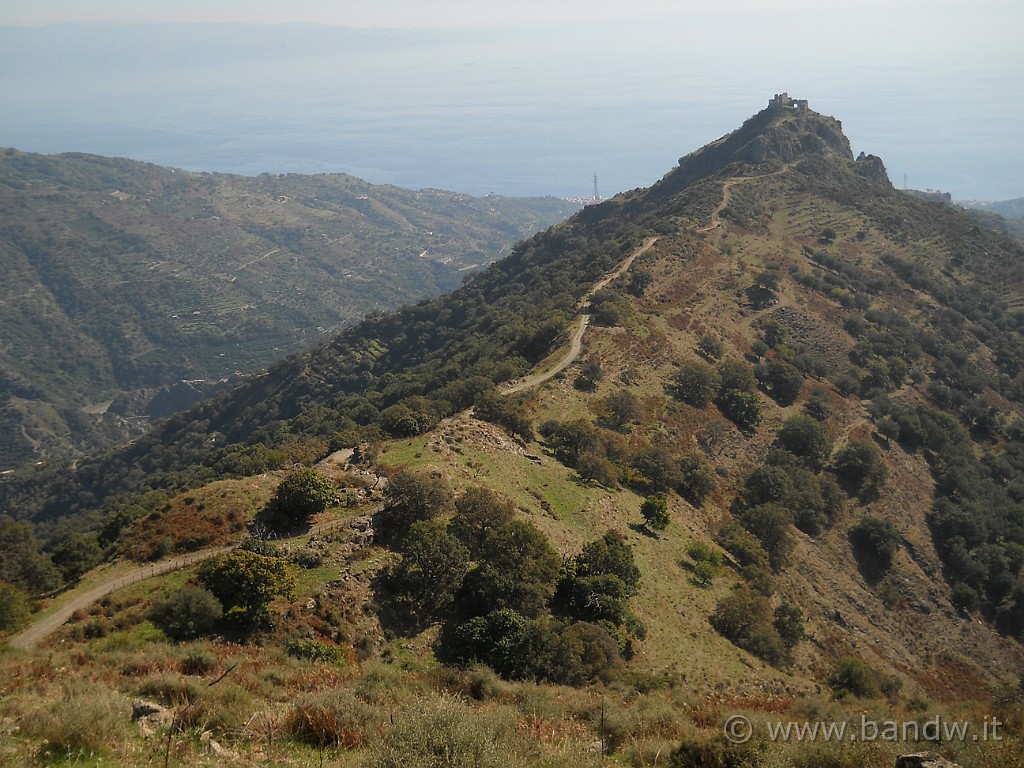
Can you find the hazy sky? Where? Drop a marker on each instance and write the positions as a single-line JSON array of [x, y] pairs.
[[919, 82]]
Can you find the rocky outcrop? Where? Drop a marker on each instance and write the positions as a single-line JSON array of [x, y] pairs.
[[774, 136]]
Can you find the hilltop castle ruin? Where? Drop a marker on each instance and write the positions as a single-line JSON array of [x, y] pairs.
[[783, 101]]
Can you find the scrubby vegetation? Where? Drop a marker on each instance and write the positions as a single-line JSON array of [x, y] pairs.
[[779, 480]]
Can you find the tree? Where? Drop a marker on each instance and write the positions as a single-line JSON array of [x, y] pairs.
[[735, 375], [696, 383], [658, 467], [301, 495], [247, 582], [479, 513], [755, 568], [505, 412], [781, 380], [620, 408], [875, 541], [789, 623], [639, 281], [76, 554], [189, 613], [697, 479], [14, 608], [745, 618], [706, 562], [859, 465], [423, 584], [741, 407], [413, 495], [771, 524], [571, 439], [516, 568], [22, 564], [655, 512], [805, 438], [609, 555]]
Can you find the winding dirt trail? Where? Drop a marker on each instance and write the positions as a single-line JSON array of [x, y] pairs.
[[577, 338], [47, 625]]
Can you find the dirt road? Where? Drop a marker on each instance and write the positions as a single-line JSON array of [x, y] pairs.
[[577, 338], [47, 625]]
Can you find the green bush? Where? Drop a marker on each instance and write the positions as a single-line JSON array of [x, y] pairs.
[[696, 383], [301, 495], [246, 582], [860, 466], [655, 512], [852, 675], [189, 613], [697, 479], [14, 608], [805, 438], [316, 650], [875, 540], [706, 562]]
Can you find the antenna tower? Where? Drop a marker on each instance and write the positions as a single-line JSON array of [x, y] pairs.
[[597, 197]]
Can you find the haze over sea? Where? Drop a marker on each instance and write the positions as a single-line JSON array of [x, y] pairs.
[[499, 110]]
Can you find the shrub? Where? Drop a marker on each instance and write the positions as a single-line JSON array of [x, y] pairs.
[[411, 496], [83, 722], [189, 613], [805, 438], [709, 347], [655, 512], [860, 466], [696, 383], [14, 608], [697, 479], [333, 719], [301, 495], [446, 732], [316, 650], [707, 561], [852, 675], [246, 582], [876, 541]]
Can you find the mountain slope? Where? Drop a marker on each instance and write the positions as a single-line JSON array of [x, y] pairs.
[[867, 442], [816, 376], [124, 278]]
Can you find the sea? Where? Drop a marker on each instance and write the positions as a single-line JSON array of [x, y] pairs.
[[508, 112]]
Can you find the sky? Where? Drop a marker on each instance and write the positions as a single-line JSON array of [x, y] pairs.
[[935, 87]]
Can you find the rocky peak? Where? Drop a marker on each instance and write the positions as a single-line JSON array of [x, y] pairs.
[[786, 131]]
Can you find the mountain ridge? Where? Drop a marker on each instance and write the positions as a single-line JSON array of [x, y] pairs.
[[782, 475]]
